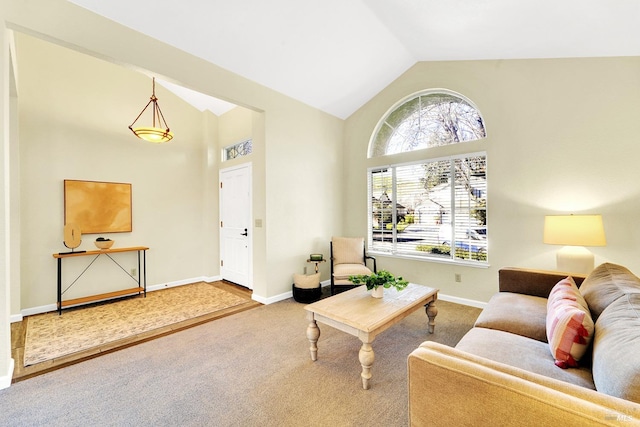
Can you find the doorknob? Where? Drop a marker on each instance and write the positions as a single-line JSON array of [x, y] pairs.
[[245, 233]]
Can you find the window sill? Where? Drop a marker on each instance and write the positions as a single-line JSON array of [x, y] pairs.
[[474, 264]]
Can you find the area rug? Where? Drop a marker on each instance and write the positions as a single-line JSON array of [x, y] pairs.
[[51, 336]]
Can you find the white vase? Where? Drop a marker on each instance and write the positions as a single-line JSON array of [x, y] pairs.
[[377, 292]]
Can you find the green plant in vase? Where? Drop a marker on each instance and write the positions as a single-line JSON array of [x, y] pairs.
[[381, 278]]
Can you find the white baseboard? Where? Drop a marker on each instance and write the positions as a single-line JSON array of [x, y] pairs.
[[258, 298], [443, 297], [271, 300], [5, 381], [462, 301], [38, 310], [282, 296]]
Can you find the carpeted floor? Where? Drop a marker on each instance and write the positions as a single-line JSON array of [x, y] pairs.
[[251, 368], [50, 336]]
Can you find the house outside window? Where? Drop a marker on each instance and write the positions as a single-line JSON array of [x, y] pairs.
[[431, 208]]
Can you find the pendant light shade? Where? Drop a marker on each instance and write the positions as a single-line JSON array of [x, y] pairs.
[[159, 131]]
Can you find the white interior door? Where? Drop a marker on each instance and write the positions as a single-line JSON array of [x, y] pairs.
[[235, 225]]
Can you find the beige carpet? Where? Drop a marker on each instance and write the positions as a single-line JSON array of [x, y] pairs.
[[50, 336], [249, 369]]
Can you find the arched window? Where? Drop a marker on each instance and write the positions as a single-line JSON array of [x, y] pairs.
[[428, 119], [429, 208]]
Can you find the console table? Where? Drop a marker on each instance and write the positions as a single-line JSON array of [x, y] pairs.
[[141, 280]]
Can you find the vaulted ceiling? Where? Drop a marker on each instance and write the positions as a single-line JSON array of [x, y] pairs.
[[335, 55]]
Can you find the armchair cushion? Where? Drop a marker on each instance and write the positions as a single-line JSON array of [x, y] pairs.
[[343, 271], [348, 250]]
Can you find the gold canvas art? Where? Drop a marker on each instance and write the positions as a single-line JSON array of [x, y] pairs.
[[98, 207]]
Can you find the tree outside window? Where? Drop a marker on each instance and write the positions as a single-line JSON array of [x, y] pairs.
[[435, 208]]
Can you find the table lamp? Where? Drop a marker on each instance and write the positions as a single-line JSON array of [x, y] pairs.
[[574, 232]]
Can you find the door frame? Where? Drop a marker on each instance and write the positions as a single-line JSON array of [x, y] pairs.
[[249, 167]]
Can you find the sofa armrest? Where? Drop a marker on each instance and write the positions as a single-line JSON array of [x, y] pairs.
[[537, 283], [450, 387]]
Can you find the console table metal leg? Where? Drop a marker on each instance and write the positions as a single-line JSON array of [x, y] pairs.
[[144, 263], [139, 272], [59, 286]]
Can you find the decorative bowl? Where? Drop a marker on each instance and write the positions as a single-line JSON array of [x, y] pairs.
[[104, 244]]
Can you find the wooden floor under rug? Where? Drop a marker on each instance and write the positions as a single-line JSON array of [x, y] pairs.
[[19, 329]]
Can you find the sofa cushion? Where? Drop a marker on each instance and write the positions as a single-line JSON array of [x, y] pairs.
[[519, 314], [569, 324], [605, 284], [616, 350], [521, 352]]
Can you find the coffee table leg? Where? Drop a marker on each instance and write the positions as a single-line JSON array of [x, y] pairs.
[[432, 312], [366, 357], [313, 333]]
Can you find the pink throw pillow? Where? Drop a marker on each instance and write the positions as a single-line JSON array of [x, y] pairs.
[[569, 324]]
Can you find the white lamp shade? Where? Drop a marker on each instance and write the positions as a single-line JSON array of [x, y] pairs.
[[574, 230]]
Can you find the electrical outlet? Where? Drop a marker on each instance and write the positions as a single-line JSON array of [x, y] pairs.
[[458, 277], [134, 271]]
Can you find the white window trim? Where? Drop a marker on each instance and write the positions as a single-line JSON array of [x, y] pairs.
[[404, 255], [394, 107]]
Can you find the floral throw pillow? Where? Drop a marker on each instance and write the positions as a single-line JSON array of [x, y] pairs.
[[569, 324]]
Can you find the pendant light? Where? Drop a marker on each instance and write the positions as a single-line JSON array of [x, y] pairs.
[[156, 134]]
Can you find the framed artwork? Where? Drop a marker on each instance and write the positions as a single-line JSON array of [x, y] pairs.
[[98, 207]]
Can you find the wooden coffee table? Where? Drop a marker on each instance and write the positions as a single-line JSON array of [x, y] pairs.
[[357, 313]]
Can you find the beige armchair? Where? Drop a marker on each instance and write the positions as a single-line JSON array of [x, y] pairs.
[[348, 258]]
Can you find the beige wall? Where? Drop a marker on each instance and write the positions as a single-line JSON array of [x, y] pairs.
[[236, 126], [277, 124], [561, 139], [14, 193], [304, 191], [210, 215], [74, 111], [6, 363]]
